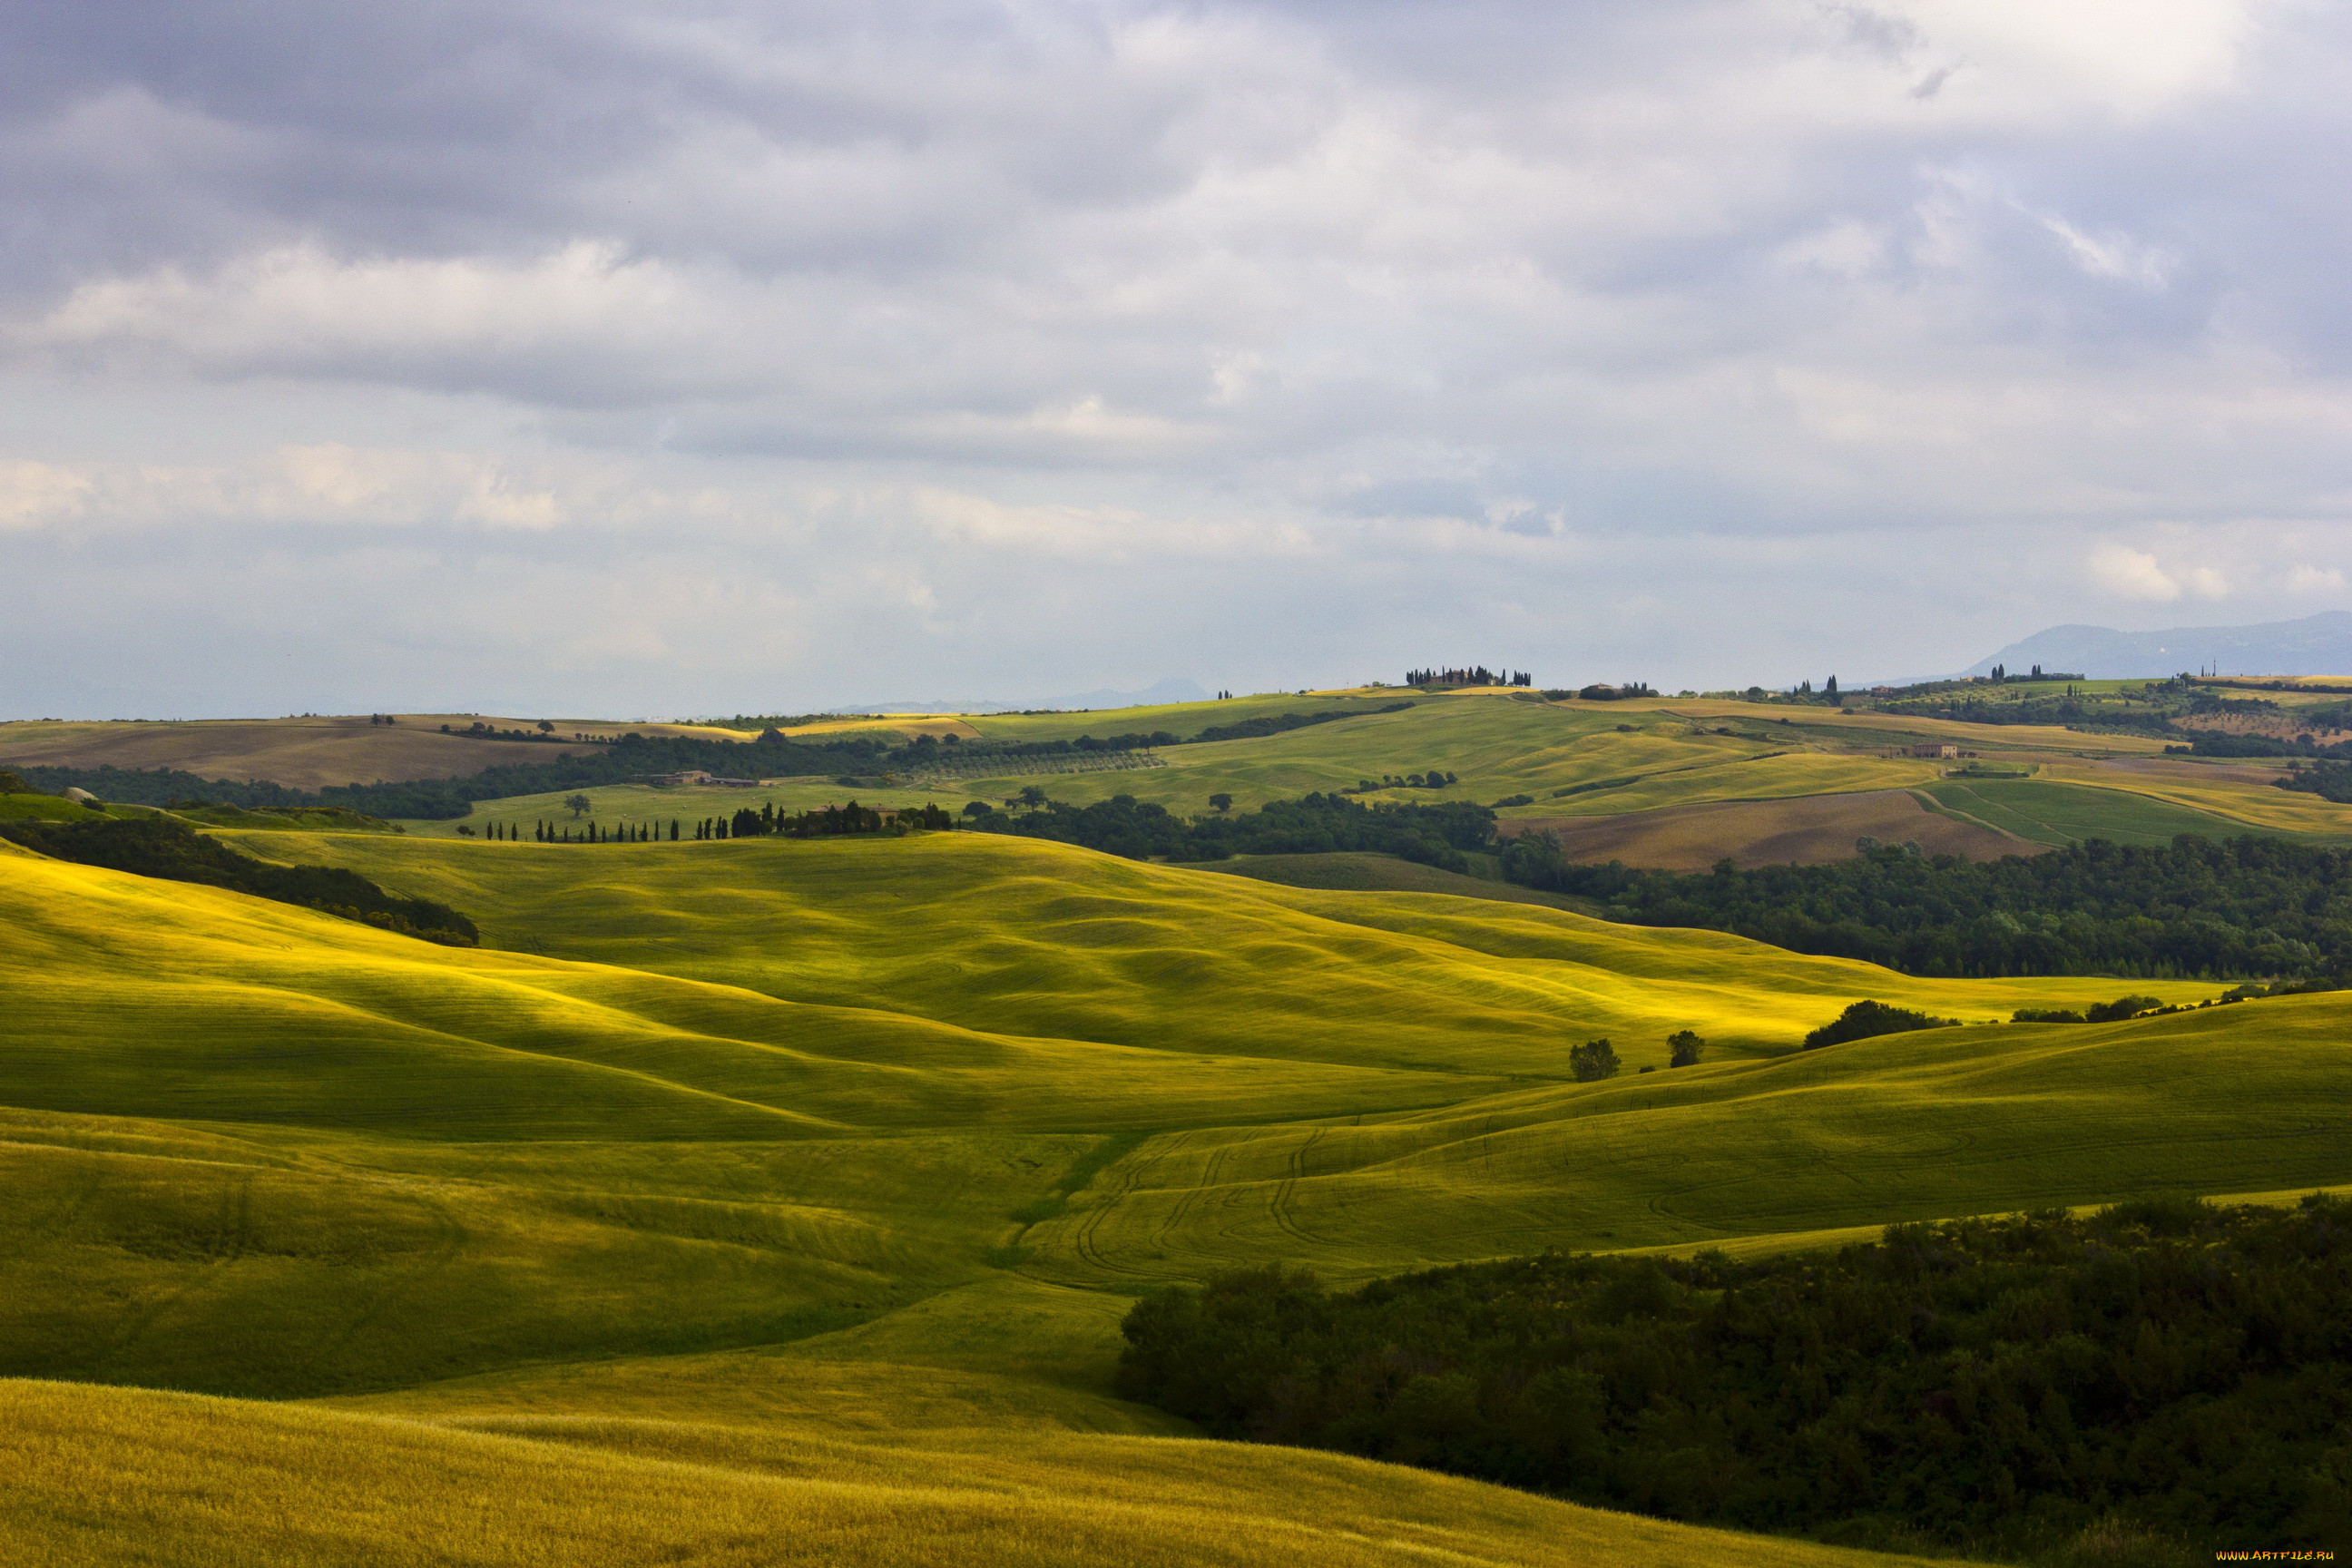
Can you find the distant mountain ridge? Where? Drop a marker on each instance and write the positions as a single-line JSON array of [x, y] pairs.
[[2316, 645], [1169, 690]]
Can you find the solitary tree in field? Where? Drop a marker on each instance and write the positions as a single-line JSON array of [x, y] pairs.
[[576, 804], [545, 728], [1221, 802], [1033, 794], [1685, 1048], [1593, 1060]]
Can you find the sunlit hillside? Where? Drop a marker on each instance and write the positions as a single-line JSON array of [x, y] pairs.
[[771, 1188]]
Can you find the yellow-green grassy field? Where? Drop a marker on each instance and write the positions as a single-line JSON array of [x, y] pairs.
[[1020, 936], [751, 1199], [108, 1476]]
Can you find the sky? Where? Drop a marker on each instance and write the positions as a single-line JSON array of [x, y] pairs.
[[655, 358]]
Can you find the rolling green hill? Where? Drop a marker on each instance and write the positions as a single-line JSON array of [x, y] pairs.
[[1910, 1126], [743, 1198], [1018, 935]]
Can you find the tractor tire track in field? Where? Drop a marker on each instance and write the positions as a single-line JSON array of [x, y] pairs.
[[1190, 1195], [1286, 1191], [1082, 1240], [235, 1227]]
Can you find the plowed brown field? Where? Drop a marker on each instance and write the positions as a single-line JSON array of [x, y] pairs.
[[1807, 829]]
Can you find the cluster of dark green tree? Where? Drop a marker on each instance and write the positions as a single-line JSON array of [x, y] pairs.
[[1435, 778], [1468, 674], [2328, 781], [590, 832], [161, 847], [2198, 908], [1601, 691], [2163, 1369], [1319, 824], [827, 821]]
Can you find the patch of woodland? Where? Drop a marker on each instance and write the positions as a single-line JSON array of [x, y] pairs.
[[2197, 908], [2157, 1380]]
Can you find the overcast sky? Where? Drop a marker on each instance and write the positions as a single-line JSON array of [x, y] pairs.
[[584, 356]]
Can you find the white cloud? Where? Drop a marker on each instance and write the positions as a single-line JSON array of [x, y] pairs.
[[2131, 574], [32, 494], [1400, 321]]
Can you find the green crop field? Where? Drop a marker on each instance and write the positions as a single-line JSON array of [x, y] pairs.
[[772, 1201], [2050, 811]]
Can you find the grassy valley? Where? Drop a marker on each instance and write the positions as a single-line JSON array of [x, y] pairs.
[[749, 1197]]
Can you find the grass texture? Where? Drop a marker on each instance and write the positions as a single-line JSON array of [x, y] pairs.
[[118, 1476], [744, 1200]]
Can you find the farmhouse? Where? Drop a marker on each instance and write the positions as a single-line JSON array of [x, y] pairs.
[[696, 776], [1935, 749]]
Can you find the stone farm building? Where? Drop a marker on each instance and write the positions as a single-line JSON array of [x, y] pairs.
[[1935, 749], [696, 776]]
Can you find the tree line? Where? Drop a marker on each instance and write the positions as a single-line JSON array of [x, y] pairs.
[[824, 822], [2160, 1374], [2197, 908], [1469, 675]]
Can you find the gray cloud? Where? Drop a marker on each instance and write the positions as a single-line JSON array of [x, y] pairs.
[[1059, 345]]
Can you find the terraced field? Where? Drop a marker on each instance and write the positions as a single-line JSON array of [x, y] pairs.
[[747, 1199]]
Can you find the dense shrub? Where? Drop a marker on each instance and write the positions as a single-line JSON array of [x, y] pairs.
[[1863, 1020], [1995, 1387]]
